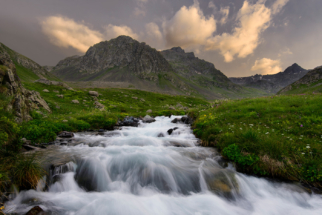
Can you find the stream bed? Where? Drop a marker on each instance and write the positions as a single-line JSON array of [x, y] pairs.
[[144, 170]]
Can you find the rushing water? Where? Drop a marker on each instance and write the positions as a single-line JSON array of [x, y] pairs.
[[139, 171]]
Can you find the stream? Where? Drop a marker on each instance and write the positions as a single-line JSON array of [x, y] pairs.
[[144, 170]]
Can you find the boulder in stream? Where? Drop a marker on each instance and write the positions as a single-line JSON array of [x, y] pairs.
[[148, 119], [66, 134], [36, 211]]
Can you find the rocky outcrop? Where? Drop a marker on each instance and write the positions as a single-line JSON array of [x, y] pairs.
[[312, 78], [272, 83], [23, 100]]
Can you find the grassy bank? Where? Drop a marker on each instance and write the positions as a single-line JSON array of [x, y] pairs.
[[276, 136]]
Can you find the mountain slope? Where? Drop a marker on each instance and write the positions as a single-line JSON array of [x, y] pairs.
[[311, 82], [124, 62], [27, 69], [272, 83]]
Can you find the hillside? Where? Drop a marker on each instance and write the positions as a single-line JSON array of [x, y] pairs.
[[272, 83], [126, 63], [27, 69], [310, 83]]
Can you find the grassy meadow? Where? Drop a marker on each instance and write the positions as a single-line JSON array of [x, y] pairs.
[[277, 136]]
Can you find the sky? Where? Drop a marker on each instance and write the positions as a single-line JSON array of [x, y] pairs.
[[240, 37]]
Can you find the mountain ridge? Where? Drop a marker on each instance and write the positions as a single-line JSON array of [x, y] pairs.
[[129, 62], [272, 83]]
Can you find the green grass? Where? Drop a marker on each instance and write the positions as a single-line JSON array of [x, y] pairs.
[[26, 75], [278, 136], [118, 102], [306, 89]]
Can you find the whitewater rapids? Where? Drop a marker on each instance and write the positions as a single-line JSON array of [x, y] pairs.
[[144, 170]]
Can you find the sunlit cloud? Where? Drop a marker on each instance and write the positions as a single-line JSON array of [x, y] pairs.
[[113, 31], [267, 66], [188, 27], [65, 32]]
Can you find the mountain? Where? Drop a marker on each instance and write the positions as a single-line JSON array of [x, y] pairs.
[[124, 62], [310, 83], [197, 71], [27, 69], [272, 83]]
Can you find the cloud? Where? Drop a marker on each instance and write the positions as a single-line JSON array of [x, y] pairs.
[[113, 31], [65, 32], [252, 20], [154, 36], [286, 51], [278, 5], [267, 66], [188, 27], [224, 11], [140, 10]]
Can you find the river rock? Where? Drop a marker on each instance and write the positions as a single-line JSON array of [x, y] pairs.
[[65, 134], [172, 130], [93, 93], [175, 120], [148, 119], [36, 211], [129, 121]]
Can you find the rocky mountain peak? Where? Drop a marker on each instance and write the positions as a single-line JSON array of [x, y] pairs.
[[177, 49]]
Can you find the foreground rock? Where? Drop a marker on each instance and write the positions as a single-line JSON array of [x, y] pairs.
[[184, 119], [148, 119]]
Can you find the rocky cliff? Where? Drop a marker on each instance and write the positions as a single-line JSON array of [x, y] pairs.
[[272, 83], [23, 101], [311, 82]]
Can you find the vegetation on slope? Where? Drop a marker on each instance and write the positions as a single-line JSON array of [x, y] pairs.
[[276, 136]]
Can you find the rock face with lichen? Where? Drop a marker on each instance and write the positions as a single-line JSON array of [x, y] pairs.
[[23, 100]]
